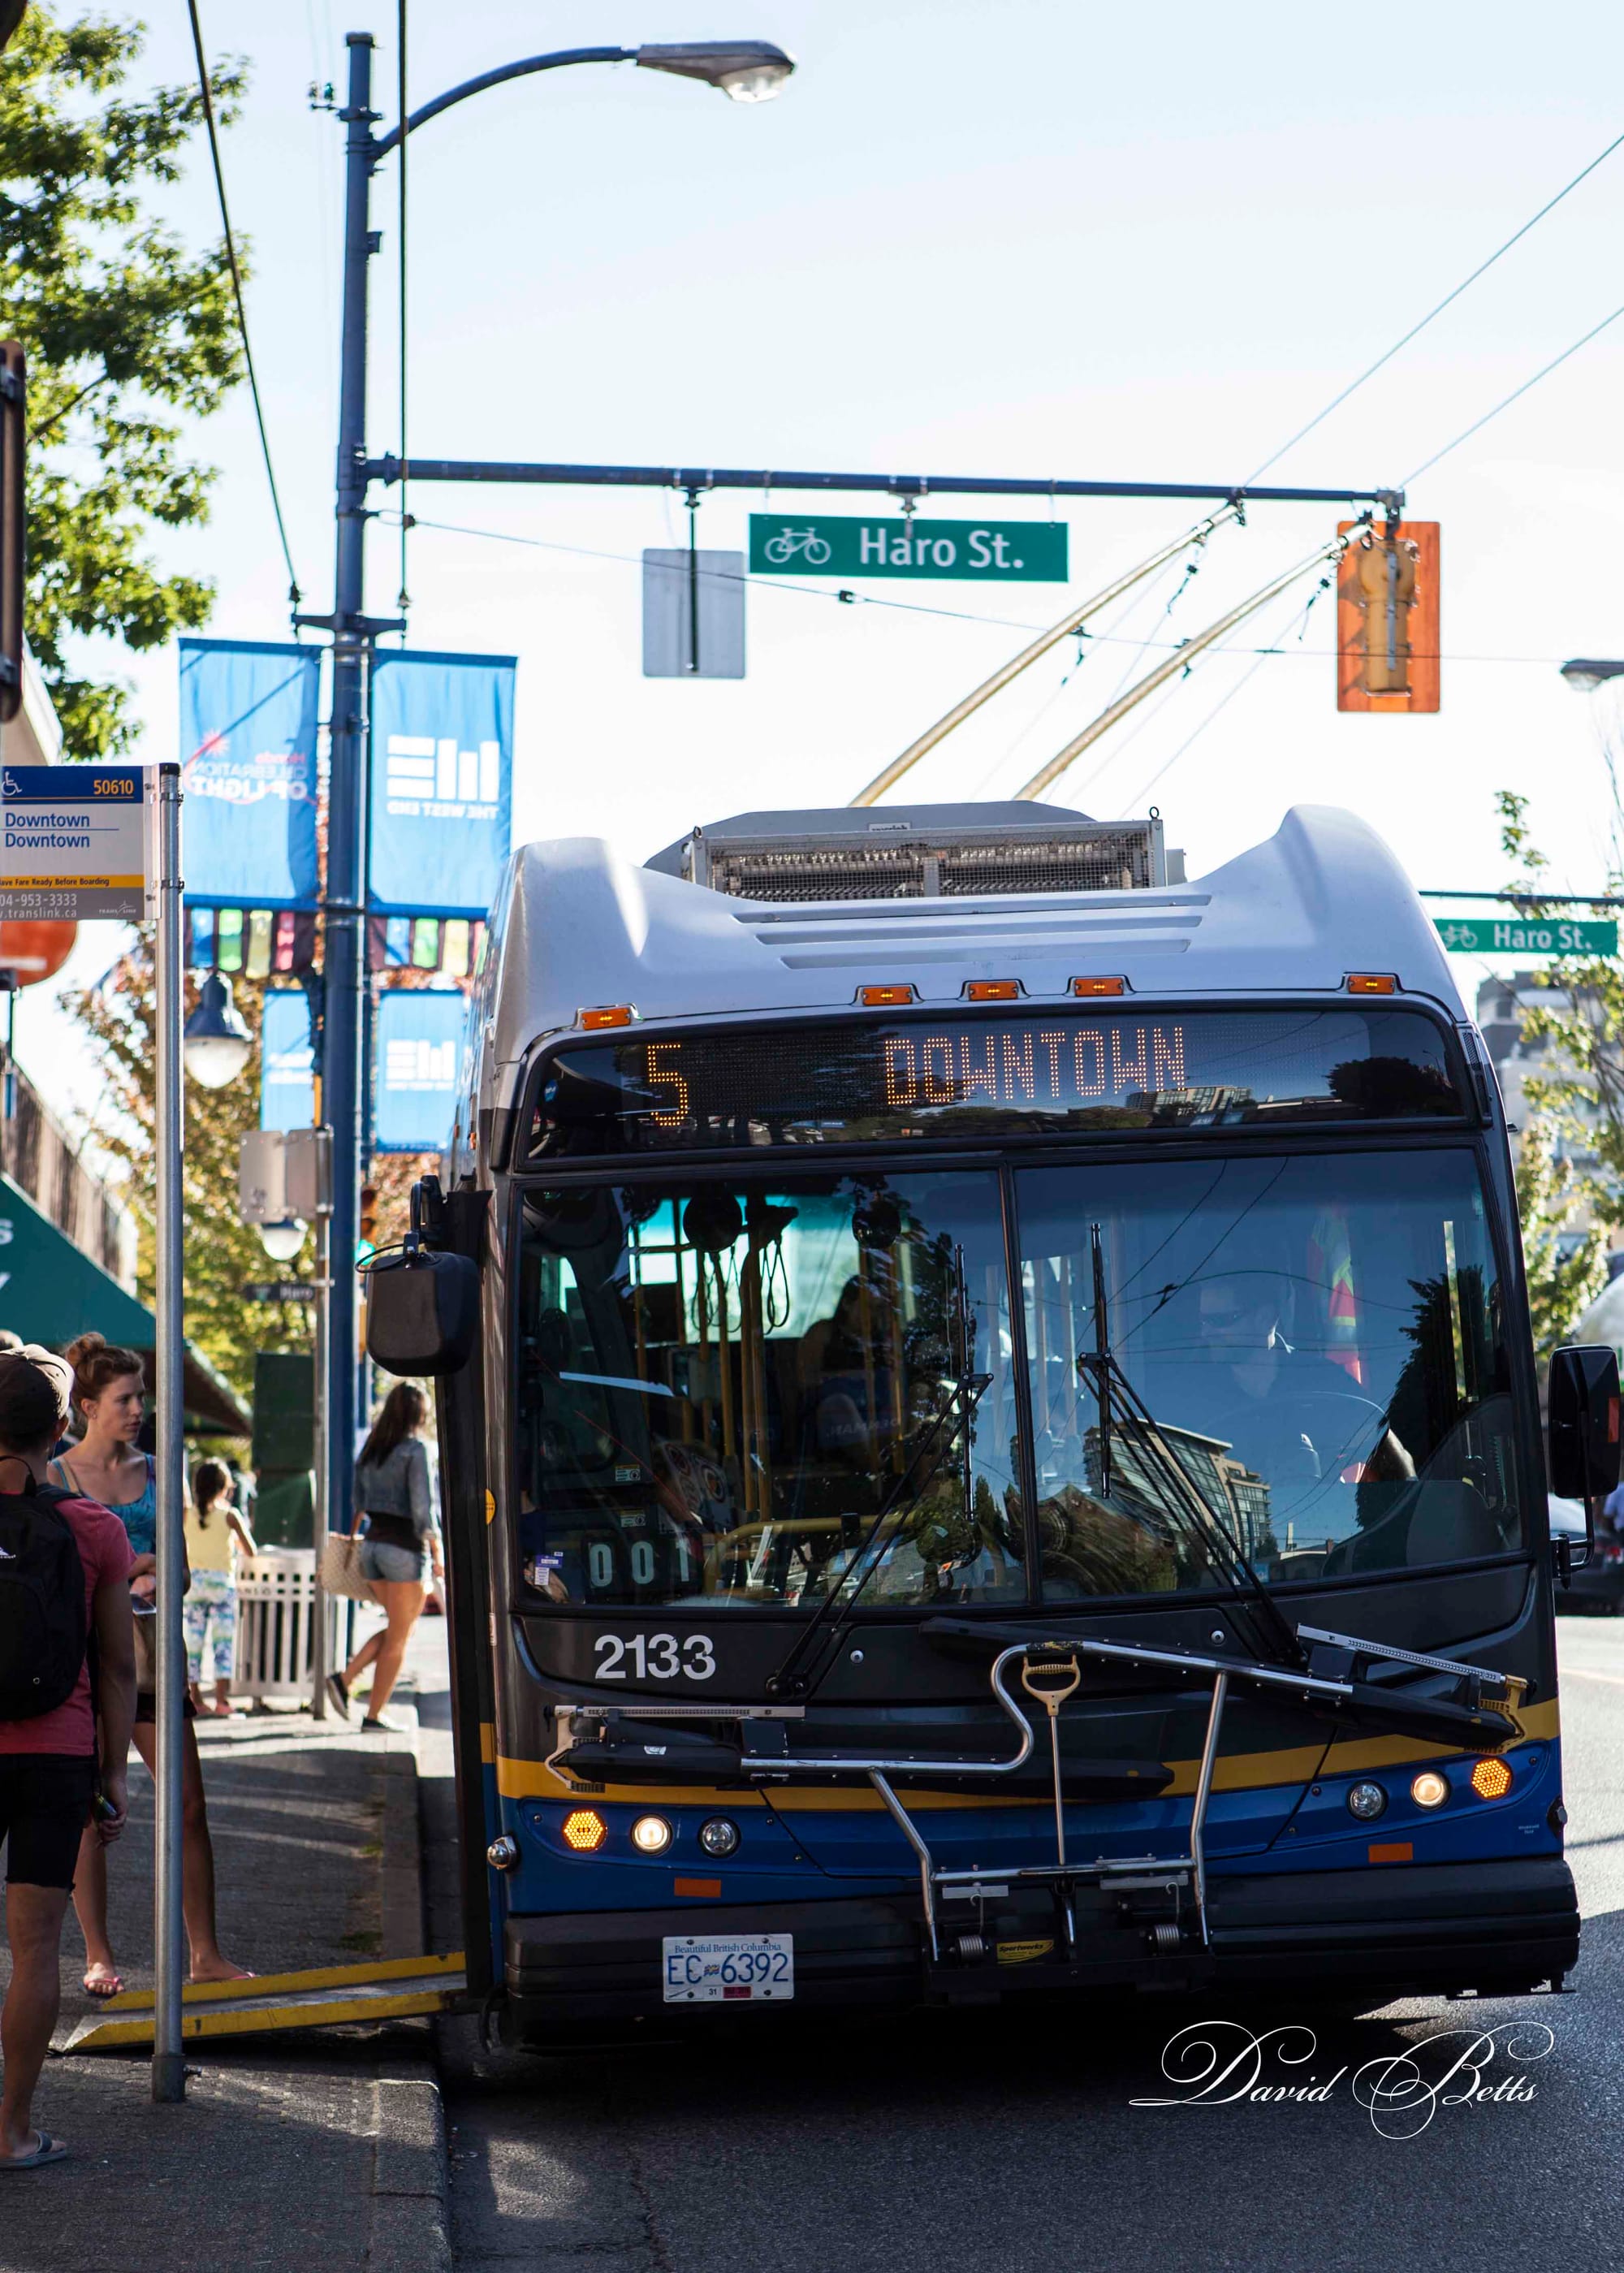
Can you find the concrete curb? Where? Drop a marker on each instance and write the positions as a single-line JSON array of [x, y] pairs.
[[408, 2228]]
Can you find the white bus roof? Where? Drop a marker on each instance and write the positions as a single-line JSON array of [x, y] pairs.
[[581, 927]]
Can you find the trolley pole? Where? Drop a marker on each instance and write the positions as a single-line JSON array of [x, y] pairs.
[[168, 2069]]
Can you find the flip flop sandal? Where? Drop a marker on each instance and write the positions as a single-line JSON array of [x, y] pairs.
[[48, 2150], [103, 1989]]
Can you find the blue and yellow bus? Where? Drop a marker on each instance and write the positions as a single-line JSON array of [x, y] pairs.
[[990, 1433]]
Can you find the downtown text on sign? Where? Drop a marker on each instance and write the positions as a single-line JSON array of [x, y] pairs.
[[1526, 935], [961, 552], [74, 842]]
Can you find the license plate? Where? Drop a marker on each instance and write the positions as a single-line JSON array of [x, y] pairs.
[[727, 1968]]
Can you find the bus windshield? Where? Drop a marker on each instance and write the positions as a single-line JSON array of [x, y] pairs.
[[725, 1386], [1313, 1342]]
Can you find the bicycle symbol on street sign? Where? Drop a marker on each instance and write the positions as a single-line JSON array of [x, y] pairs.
[[782, 548]]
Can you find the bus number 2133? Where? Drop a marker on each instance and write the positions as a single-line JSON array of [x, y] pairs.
[[655, 1657]]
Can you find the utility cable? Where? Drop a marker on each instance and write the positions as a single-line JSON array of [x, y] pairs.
[[403, 597], [1515, 395], [1449, 299], [294, 593]]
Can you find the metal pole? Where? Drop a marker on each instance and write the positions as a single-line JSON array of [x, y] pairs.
[[169, 2072], [320, 1668], [346, 883]]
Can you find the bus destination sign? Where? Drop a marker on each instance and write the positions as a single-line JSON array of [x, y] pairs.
[[854, 1083]]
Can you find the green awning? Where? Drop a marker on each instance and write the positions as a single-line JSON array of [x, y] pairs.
[[51, 1290]]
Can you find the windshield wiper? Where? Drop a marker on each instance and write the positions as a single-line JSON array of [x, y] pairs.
[[796, 1675], [1120, 1407]]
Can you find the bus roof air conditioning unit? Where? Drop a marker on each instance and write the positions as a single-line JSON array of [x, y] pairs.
[[928, 851]]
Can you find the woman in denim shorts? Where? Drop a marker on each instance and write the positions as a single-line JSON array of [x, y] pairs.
[[394, 1498]]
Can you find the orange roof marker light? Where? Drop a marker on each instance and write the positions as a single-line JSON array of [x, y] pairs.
[[992, 990], [886, 998], [594, 1022], [585, 1830], [1371, 982], [1095, 988]]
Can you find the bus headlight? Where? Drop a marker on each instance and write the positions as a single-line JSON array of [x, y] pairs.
[[651, 1834], [1367, 1801], [1429, 1790], [719, 1837]]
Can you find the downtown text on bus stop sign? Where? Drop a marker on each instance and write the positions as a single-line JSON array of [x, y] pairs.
[[1527, 935], [963, 551], [75, 843]]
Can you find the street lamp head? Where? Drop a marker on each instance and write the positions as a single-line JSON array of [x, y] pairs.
[[1585, 674], [746, 71], [216, 1041], [281, 1241]]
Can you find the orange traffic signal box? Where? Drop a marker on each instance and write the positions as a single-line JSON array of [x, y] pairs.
[[1386, 617]]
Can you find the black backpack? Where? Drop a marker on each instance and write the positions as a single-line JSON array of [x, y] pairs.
[[43, 1630]]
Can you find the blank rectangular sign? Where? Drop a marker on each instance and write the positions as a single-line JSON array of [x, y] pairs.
[[693, 614]]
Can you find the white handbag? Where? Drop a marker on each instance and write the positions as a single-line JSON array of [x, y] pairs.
[[340, 1569]]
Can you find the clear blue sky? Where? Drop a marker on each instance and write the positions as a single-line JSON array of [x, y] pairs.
[[1031, 239]]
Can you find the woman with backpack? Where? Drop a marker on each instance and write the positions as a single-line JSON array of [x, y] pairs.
[[109, 1390], [64, 1571]]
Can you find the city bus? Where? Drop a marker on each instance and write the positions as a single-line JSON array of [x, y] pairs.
[[991, 1440]]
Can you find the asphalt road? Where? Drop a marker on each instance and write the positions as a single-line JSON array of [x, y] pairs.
[[991, 2147]]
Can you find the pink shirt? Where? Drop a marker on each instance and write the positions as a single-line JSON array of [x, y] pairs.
[[104, 1550]]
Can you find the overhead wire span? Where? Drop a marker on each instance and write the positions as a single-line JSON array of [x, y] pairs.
[[1515, 395], [1180, 660], [1069, 622], [1449, 300], [207, 93]]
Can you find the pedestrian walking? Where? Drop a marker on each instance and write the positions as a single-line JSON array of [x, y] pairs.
[[108, 1388], [402, 1541], [214, 1532], [64, 1581]]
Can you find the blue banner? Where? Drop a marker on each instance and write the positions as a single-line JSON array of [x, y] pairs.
[[247, 749], [442, 782], [418, 1033], [286, 1061]]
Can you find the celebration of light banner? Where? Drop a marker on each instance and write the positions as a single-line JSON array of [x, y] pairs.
[[418, 1042], [247, 749], [441, 782], [286, 1061]]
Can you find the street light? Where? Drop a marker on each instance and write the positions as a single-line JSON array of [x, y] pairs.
[[746, 71], [216, 1042], [281, 1241], [1584, 674]]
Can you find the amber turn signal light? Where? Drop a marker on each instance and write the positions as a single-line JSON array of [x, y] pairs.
[[884, 997], [1491, 1779], [585, 1830], [1371, 982], [1094, 987], [991, 990], [593, 1021]]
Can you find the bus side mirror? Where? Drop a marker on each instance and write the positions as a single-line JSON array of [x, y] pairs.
[[422, 1312], [1583, 1423]]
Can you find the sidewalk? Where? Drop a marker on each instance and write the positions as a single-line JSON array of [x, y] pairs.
[[323, 2148]]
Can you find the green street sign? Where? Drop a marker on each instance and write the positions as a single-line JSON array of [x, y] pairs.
[[1526, 935], [958, 552]]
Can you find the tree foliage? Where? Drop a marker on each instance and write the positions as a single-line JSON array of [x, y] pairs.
[[125, 327], [1567, 1210]]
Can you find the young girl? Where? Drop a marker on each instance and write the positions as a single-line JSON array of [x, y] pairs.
[[110, 1393], [214, 1531], [394, 1492]]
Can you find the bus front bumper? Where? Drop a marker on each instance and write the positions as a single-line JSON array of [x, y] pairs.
[[1498, 1928]]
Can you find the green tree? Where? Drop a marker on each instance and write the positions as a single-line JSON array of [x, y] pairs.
[[1567, 1212], [222, 1253], [125, 327]]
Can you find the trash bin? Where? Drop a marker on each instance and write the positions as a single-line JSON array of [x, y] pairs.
[[276, 1626]]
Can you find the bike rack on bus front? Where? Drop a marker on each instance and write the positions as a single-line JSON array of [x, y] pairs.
[[1044, 1665]]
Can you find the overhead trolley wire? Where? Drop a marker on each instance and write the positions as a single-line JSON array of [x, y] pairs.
[[1515, 395], [1449, 300], [294, 593]]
